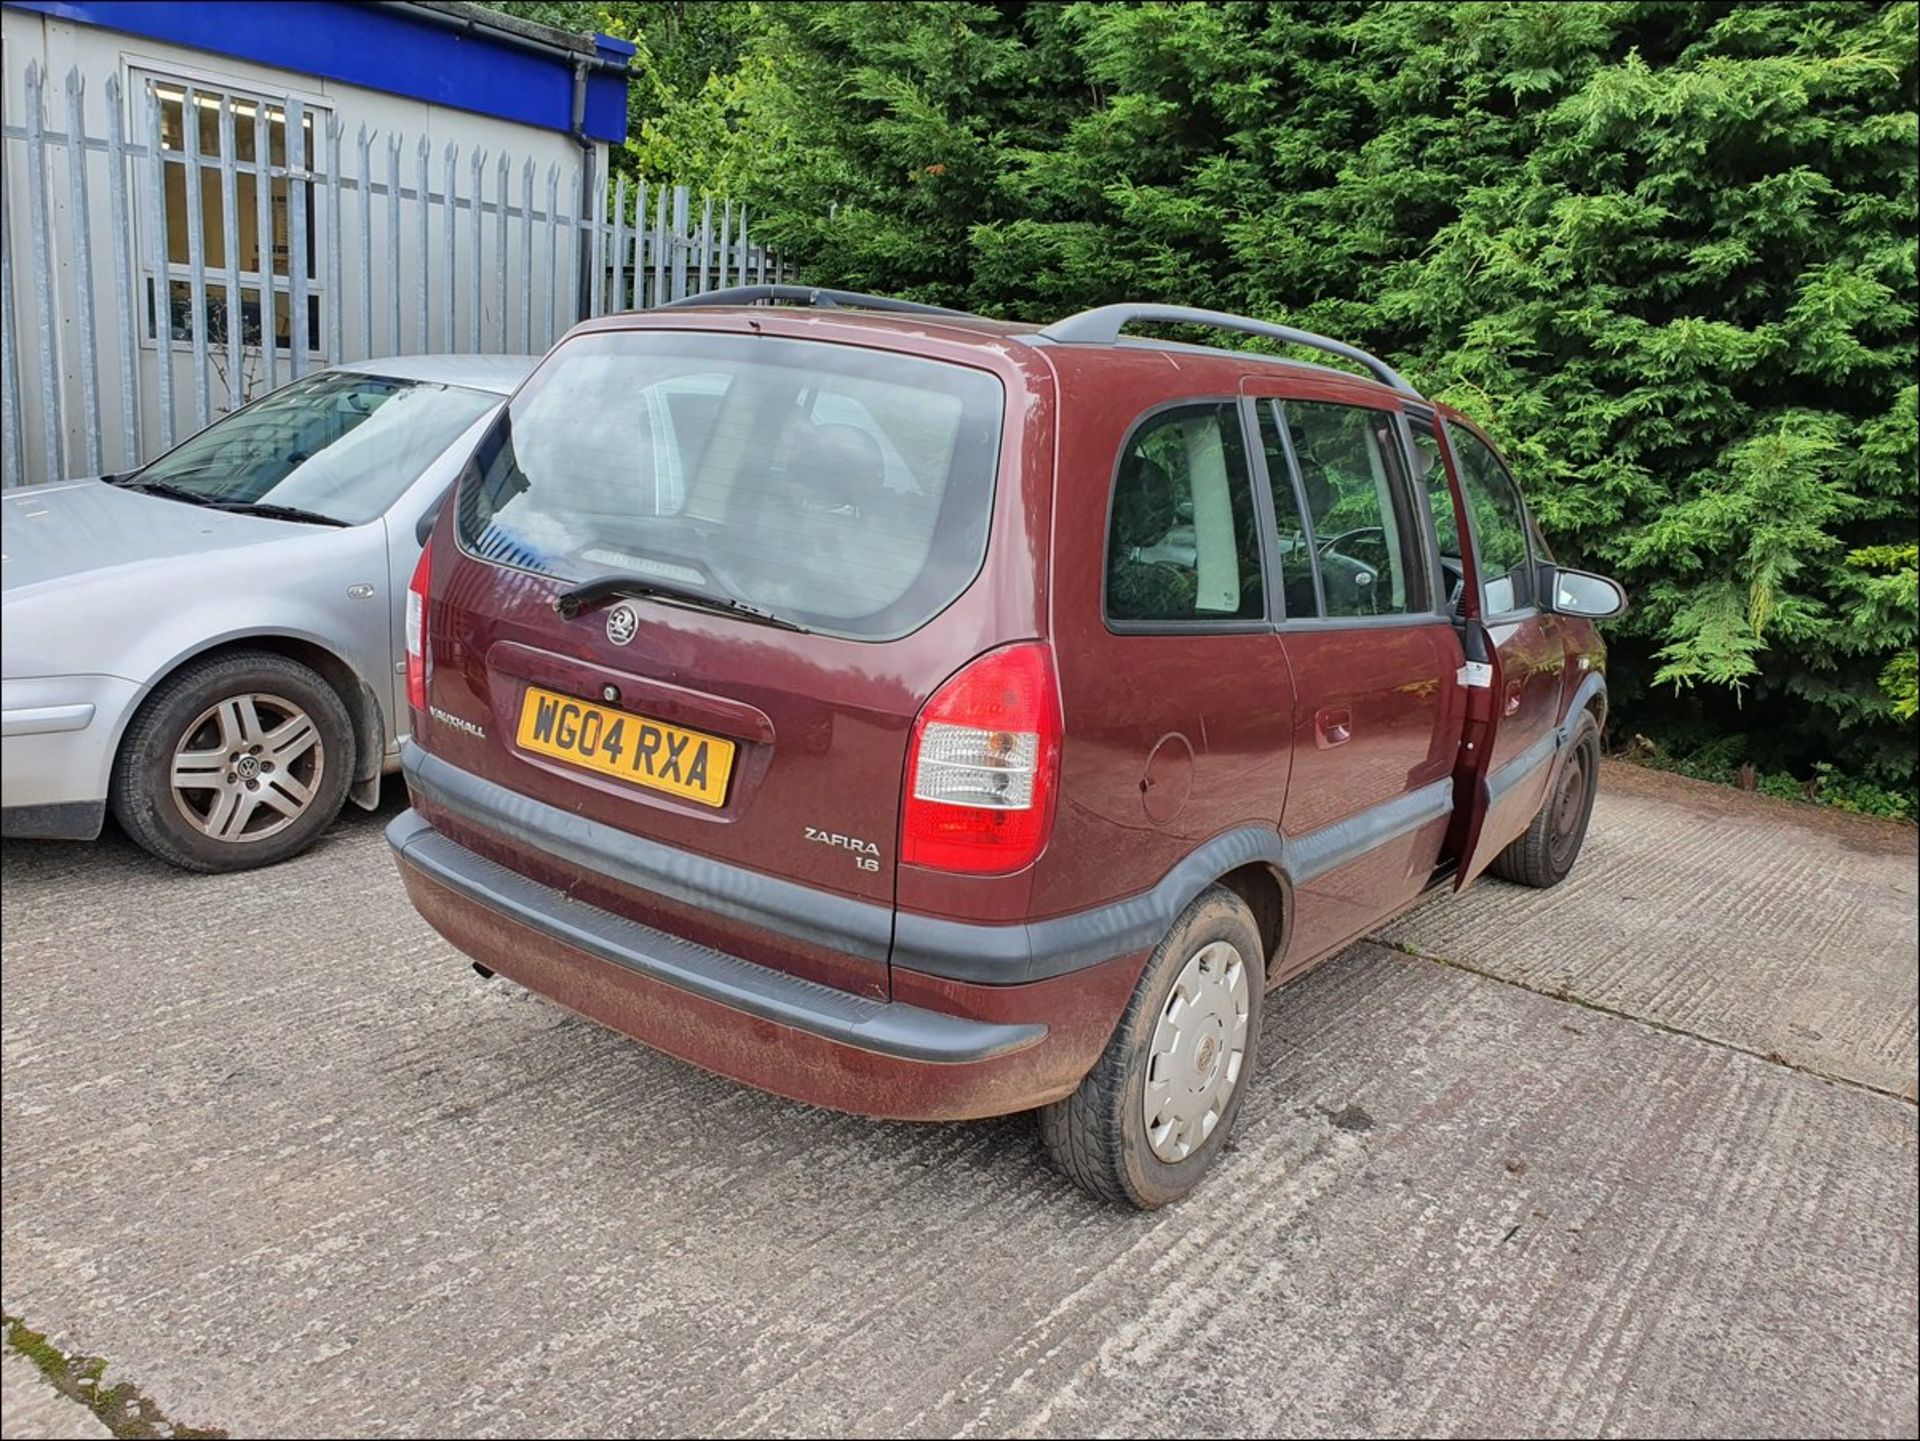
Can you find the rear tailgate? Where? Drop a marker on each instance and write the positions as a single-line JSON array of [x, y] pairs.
[[733, 782]]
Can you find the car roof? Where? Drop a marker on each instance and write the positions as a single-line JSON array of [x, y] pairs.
[[500, 374], [947, 322], [983, 330]]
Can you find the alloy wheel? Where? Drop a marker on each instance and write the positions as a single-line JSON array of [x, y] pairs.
[[247, 767]]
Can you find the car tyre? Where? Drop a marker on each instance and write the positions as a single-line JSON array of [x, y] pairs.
[[235, 762], [1155, 1111], [1545, 853]]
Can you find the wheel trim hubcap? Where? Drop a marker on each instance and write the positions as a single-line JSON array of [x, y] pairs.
[[1198, 1051], [247, 767]]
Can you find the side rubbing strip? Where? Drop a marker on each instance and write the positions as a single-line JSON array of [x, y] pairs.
[[1523, 765], [1034, 950], [1330, 847]]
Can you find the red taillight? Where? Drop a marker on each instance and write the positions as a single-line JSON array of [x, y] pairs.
[[984, 766], [417, 630]]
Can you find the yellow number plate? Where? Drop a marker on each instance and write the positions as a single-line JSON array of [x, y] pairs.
[[627, 747]]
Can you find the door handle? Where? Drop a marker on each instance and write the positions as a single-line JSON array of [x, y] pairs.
[[1513, 696], [1332, 726]]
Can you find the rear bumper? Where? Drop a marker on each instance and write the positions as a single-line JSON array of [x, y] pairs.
[[940, 1050]]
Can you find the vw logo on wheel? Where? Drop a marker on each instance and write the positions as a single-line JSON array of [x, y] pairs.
[[623, 623]]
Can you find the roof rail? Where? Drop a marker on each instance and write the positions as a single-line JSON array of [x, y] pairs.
[[1102, 326], [809, 295]]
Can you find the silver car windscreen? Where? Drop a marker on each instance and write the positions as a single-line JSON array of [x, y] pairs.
[[338, 443]]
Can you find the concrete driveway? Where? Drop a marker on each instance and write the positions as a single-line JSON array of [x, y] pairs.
[[1632, 1156]]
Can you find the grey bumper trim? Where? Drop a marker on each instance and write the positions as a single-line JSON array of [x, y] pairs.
[[992, 955], [908, 1033], [856, 928], [981, 954]]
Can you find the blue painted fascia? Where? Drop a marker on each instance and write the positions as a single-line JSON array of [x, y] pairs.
[[381, 48]]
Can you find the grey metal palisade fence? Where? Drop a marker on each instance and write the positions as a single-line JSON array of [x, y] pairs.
[[106, 393]]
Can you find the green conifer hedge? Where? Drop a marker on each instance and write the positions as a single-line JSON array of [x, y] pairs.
[[1664, 251]]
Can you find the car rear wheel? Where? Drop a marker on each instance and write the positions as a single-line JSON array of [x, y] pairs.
[[1544, 855], [236, 762], [1155, 1111]]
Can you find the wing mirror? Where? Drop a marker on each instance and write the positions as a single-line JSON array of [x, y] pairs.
[[1581, 593]]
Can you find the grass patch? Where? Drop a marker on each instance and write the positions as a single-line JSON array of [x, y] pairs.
[[121, 1407]]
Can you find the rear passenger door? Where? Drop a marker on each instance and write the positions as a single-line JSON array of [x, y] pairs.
[[1179, 704], [1374, 660]]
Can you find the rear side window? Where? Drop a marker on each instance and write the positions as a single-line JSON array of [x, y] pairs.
[[1349, 476], [1182, 545], [1499, 524], [849, 490]]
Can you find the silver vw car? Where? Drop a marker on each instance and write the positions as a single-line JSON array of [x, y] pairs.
[[211, 645]]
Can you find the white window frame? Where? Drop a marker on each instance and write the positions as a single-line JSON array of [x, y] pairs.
[[153, 297]]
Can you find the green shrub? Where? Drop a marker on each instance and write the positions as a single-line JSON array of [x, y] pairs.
[[1665, 252]]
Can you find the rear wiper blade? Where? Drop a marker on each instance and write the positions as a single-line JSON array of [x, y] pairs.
[[573, 601], [267, 510]]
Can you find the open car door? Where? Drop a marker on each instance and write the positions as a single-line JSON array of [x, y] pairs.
[[1516, 655]]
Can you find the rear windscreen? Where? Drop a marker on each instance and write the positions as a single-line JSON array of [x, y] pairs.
[[845, 489]]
